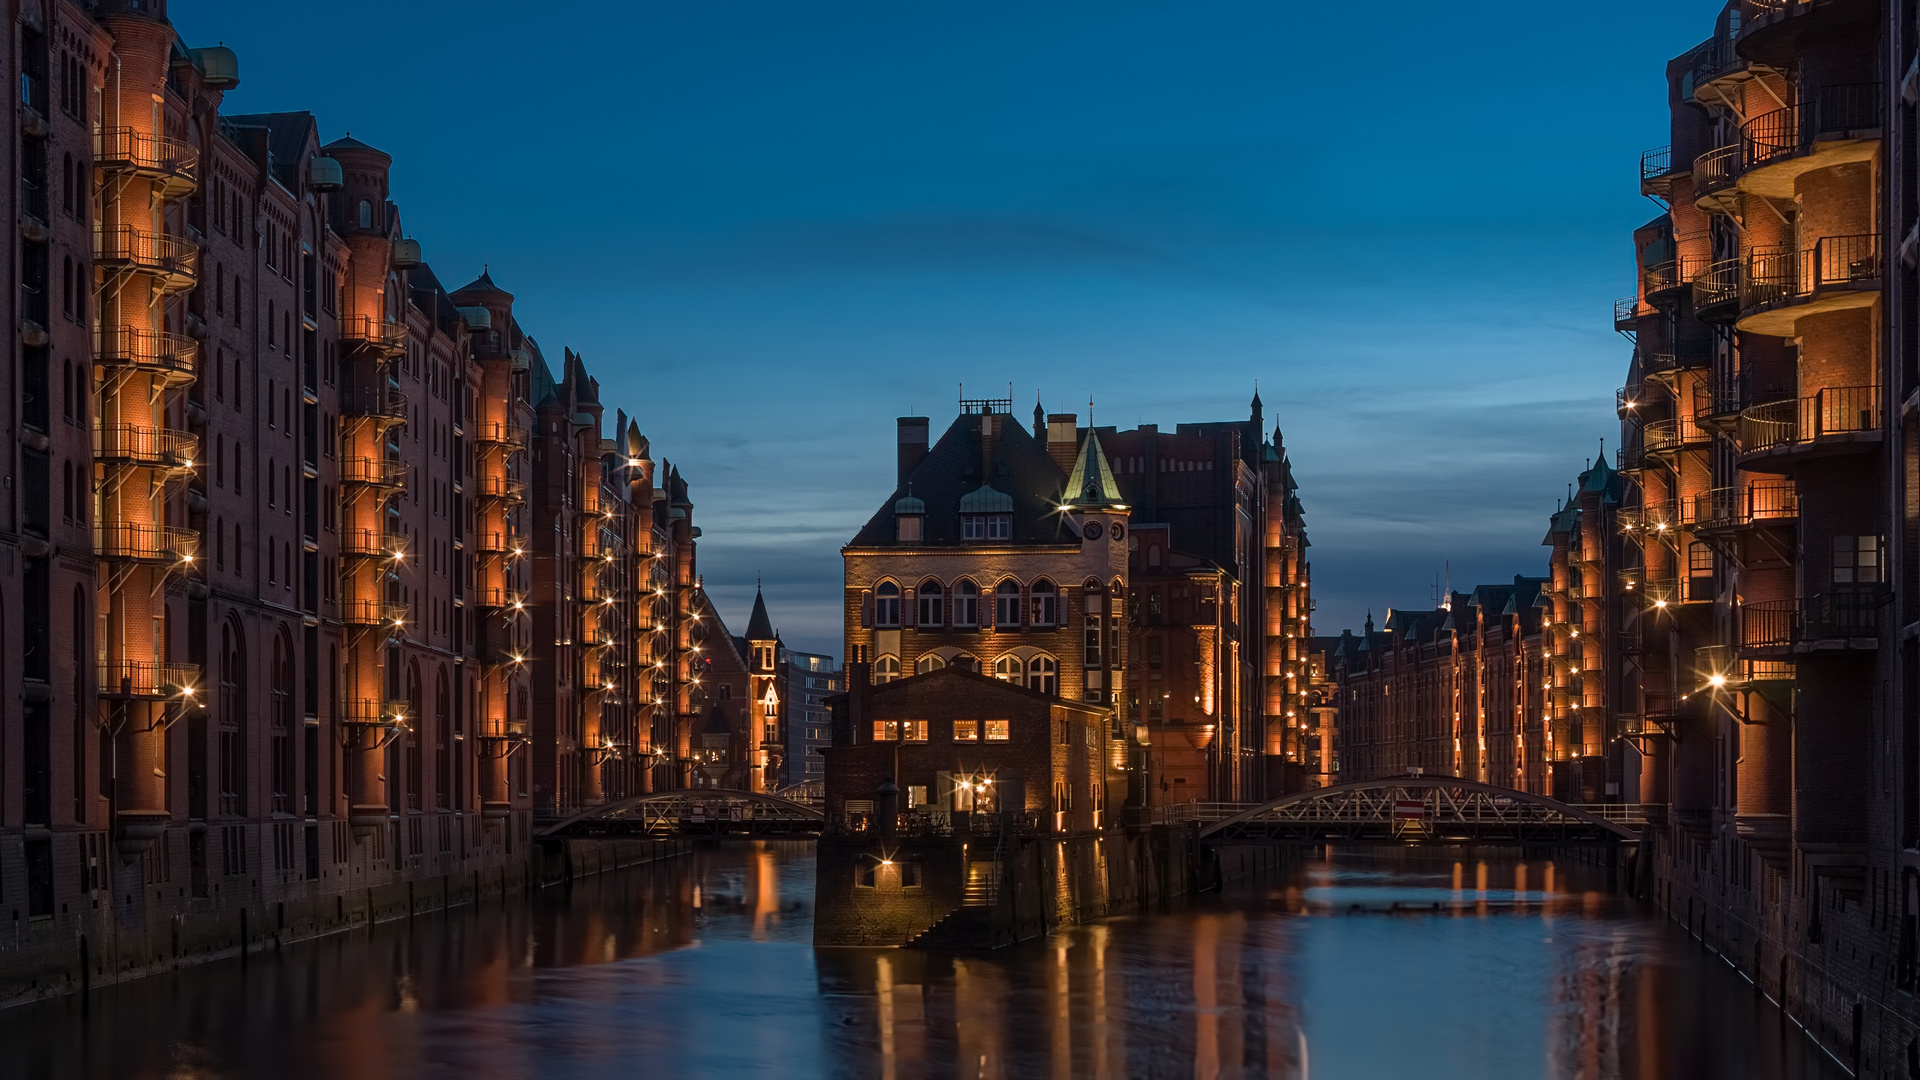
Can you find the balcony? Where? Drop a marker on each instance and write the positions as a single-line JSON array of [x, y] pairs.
[[377, 402], [1841, 124], [1714, 61], [145, 447], [1718, 408], [379, 613], [174, 261], [1626, 314], [373, 544], [172, 164], [1837, 420], [1656, 169], [495, 597], [147, 679], [495, 542], [1664, 437], [1843, 618], [500, 433], [174, 358], [371, 332], [1759, 503], [1716, 292], [1716, 175], [374, 712], [1774, 32], [502, 488], [375, 473], [1663, 282], [1719, 667], [135, 542], [1783, 286], [1627, 401]]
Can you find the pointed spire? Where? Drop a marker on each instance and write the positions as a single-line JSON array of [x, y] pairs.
[[1091, 482], [759, 626]]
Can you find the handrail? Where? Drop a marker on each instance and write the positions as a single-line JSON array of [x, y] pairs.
[[146, 678], [139, 540], [374, 401], [157, 252], [158, 154], [146, 445], [1656, 162], [1716, 170], [374, 472], [377, 543], [175, 354], [375, 331], [1718, 284]]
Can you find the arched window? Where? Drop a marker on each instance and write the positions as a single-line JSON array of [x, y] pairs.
[[1009, 669], [886, 606], [281, 775], [932, 604], [442, 744], [1006, 605], [1043, 675], [929, 662], [886, 670], [966, 604], [270, 322], [965, 662], [233, 728], [1045, 607], [66, 288], [416, 712], [366, 214], [66, 180]]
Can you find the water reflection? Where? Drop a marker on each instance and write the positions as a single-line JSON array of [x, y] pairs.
[[1354, 965]]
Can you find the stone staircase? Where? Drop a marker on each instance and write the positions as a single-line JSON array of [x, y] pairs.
[[969, 926]]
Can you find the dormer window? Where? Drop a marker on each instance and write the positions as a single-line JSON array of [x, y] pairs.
[[986, 526], [909, 529]]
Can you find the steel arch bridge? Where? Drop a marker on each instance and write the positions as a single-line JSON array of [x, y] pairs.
[[693, 812], [1416, 809]]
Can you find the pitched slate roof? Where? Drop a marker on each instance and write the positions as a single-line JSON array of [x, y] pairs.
[[759, 627], [1019, 469]]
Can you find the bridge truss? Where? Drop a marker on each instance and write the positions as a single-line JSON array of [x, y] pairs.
[[1406, 810], [694, 812]]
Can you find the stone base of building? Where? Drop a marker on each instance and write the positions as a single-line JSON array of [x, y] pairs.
[[1824, 946], [188, 897], [986, 892]]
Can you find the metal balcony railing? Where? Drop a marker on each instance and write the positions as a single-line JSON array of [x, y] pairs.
[[495, 486], [173, 356], [1843, 611], [373, 473], [1656, 164], [144, 543], [497, 597], [1768, 624], [373, 613], [386, 402], [175, 260], [1762, 500], [1717, 285], [490, 432], [1716, 59], [158, 448], [1667, 436], [175, 163], [373, 543], [375, 712], [1626, 313], [1671, 275], [496, 542], [1716, 170], [1832, 112], [146, 678], [374, 333], [1836, 410]]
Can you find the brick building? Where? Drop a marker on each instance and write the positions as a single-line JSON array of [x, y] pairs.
[[1160, 573], [1459, 690], [291, 532]]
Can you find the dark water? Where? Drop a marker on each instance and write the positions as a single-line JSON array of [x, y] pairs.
[[1488, 969]]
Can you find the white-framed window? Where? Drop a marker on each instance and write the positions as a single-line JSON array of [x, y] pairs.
[[931, 599], [886, 604], [1006, 605], [1044, 604], [886, 669], [928, 663], [1010, 669], [1043, 674], [966, 604], [986, 526]]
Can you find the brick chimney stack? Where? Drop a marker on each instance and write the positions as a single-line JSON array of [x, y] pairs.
[[913, 445]]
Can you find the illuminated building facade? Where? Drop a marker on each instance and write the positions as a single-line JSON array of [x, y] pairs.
[[1001, 552], [278, 529], [1221, 611]]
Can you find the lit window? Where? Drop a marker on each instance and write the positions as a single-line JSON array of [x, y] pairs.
[[1009, 669], [913, 730], [966, 731], [886, 731], [998, 730]]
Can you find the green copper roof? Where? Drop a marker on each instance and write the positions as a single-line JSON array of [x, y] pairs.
[[1091, 482], [983, 500]]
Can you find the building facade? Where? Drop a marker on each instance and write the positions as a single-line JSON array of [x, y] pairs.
[[807, 681], [323, 529]]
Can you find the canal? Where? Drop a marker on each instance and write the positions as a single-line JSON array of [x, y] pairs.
[[1353, 965]]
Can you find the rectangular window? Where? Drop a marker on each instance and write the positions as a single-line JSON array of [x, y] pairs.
[[916, 795], [930, 604], [966, 731], [1856, 560], [973, 527], [1092, 651], [886, 730], [999, 526], [913, 730], [999, 730]]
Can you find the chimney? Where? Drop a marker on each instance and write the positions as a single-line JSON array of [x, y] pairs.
[[1063, 440], [913, 446]]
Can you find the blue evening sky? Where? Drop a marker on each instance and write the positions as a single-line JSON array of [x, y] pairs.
[[771, 227]]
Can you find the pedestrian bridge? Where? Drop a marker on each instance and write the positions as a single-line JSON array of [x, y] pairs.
[[1411, 810], [693, 812]]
